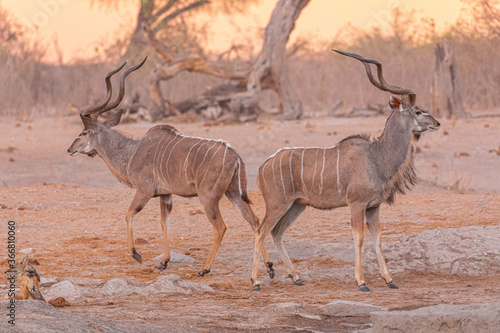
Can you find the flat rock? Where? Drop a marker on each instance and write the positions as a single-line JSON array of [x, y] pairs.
[[27, 250], [118, 286], [440, 318], [310, 316], [46, 282], [176, 257], [171, 283], [175, 284], [66, 289], [286, 305], [38, 316], [463, 251], [341, 308]]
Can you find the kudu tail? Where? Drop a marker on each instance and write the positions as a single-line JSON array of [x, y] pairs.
[[242, 181]]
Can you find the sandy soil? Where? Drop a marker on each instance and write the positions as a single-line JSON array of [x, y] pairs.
[[70, 210]]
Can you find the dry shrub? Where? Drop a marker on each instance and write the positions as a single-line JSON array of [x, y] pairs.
[[29, 87]]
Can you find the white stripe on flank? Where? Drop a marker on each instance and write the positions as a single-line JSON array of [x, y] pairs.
[[315, 165], [322, 171], [224, 159], [187, 157], [210, 160], [154, 158], [274, 175], [262, 172], [163, 156], [281, 172], [338, 172], [239, 177], [196, 155], [168, 159], [291, 171], [304, 188], [204, 157]]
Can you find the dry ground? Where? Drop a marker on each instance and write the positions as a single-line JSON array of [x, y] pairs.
[[75, 224]]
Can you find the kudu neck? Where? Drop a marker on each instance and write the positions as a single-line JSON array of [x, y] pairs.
[[394, 145], [117, 150]]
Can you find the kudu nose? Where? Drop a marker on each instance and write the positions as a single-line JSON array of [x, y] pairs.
[[438, 124]]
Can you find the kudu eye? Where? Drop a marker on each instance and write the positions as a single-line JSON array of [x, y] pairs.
[[418, 113], [84, 133]]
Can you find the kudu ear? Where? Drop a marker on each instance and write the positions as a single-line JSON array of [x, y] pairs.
[[395, 103], [113, 119], [88, 123], [24, 261]]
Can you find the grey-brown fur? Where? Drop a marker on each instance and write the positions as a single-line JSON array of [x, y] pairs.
[[165, 162], [356, 172]]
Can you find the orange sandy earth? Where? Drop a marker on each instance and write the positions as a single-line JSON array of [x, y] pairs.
[[70, 210]]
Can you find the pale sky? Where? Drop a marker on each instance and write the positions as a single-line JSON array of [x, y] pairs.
[[80, 27]]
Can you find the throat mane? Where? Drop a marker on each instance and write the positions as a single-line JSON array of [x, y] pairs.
[[403, 179]]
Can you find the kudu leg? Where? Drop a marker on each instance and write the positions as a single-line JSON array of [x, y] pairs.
[[269, 221], [357, 225], [373, 222], [278, 232], [248, 214], [166, 208], [214, 216], [140, 200]]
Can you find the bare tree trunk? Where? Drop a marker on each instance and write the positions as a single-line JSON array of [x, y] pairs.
[[241, 98], [138, 43], [446, 99], [271, 65]]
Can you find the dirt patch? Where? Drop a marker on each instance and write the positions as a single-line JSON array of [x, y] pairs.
[[75, 225]]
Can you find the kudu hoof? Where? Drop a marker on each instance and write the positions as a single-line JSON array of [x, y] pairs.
[[296, 282], [364, 288], [163, 265], [271, 272], [205, 271], [136, 256], [392, 285]]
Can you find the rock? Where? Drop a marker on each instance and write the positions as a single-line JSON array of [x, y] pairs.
[[66, 289], [140, 241], [38, 316], [47, 282], [309, 316], [27, 251], [175, 284], [440, 318], [463, 251], [59, 302], [171, 283], [176, 257], [286, 305], [340, 308], [118, 286]]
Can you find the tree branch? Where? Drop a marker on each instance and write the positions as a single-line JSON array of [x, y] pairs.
[[164, 9], [158, 25]]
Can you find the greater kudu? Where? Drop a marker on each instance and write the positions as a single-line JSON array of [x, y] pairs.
[[356, 172], [165, 162]]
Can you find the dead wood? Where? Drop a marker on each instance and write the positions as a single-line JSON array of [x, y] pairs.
[[241, 96], [446, 98]]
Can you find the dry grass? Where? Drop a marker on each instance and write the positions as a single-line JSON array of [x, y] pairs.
[[29, 87]]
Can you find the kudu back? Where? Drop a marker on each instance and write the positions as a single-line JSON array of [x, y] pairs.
[[165, 162], [356, 172]]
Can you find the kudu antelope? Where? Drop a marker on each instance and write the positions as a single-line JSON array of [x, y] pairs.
[[165, 162], [356, 172]]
